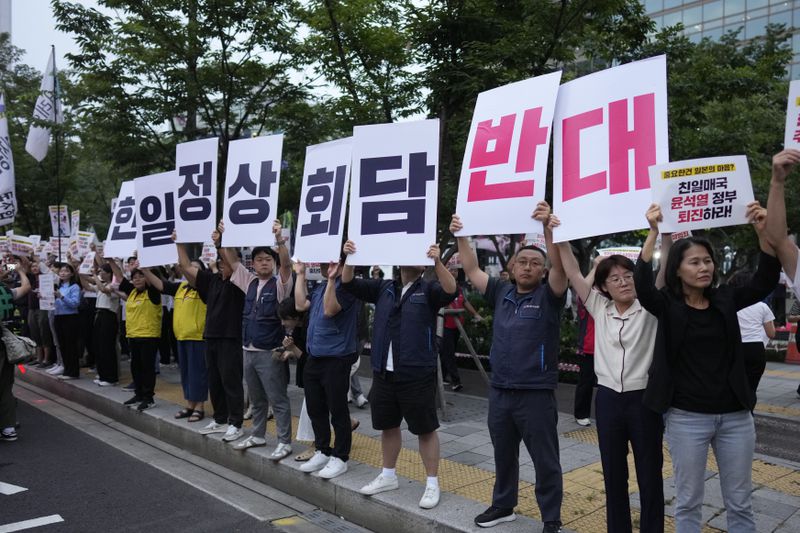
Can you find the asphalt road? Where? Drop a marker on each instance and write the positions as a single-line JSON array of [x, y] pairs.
[[95, 487]]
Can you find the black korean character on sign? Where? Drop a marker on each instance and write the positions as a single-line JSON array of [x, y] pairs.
[[252, 210], [326, 188], [195, 183], [150, 209], [125, 214], [419, 174]]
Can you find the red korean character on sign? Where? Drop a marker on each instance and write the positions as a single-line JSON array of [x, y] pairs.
[[492, 146]]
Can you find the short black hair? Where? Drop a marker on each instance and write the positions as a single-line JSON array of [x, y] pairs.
[[604, 269], [265, 250], [288, 311], [532, 247]]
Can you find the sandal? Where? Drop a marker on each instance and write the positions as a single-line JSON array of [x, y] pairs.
[[306, 455], [183, 413], [197, 416]]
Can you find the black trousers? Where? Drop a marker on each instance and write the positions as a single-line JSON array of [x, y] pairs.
[[86, 314], [530, 416], [326, 381], [448, 355], [168, 348], [225, 367], [755, 361], [621, 418], [68, 332], [586, 382], [104, 339], [143, 365]]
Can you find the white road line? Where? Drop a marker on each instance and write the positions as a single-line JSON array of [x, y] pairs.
[[28, 524], [8, 489]]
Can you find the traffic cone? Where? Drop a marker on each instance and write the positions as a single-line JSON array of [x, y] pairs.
[[792, 355]]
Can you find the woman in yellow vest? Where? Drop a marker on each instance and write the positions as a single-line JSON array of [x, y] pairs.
[[143, 328], [188, 322]]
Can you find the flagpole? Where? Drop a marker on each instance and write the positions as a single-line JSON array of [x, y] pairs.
[[57, 135]]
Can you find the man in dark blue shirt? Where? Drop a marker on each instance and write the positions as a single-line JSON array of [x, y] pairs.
[[524, 362], [404, 363], [332, 350]]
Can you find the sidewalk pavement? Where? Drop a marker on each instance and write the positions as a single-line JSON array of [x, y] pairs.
[[467, 467]]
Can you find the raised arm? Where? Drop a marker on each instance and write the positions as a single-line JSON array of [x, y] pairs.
[[188, 269], [757, 216], [301, 302], [330, 303], [653, 218], [446, 279], [283, 252], [348, 272], [570, 265], [227, 254], [115, 269], [153, 280], [24, 283], [782, 165], [469, 259], [666, 245], [556, 278]]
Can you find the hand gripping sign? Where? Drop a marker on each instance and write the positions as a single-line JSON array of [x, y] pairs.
[[505, 162], [702, 193], [155, 213], [393, 193], [322, 201], [251, 191], [196, 197], [609, 127], [121, 240]]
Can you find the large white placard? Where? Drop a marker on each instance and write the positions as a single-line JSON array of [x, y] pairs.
[[609, 127], [393, 193], [47, 293], [155, 215], [792, 134], [505, 161], [20, 245], [702, 193], [121, 240], [320, 222], [59, 221], [252, 179], [196, 194]]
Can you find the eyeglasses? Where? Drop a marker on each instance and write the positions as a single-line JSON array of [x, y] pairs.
[[533, 264], [617, 280]]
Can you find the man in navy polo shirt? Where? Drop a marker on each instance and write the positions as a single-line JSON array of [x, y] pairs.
[[332, 350], [262, 332], [404, 362], [524, 361]]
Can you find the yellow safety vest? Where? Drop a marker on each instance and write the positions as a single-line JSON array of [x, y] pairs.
[[143, 317], [189, 315]]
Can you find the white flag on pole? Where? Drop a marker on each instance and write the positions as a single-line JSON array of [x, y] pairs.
[[47, 109], [8, 198]]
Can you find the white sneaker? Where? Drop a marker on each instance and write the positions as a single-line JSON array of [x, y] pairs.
[[213, 427], [62, 377], [430, 498], [249, 413], [361, 401], [232, 434], [250, 442], [335, 467], [56, 370], [378, 485], [317, 462], [102, 383], [280, 451], [583, 422]]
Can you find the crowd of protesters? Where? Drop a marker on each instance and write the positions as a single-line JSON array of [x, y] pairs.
[[675, 355]]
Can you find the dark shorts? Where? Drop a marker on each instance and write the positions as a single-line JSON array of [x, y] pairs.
[[39, 325], [415, 401]]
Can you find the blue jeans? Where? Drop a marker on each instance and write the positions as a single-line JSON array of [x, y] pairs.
[[733, 438]]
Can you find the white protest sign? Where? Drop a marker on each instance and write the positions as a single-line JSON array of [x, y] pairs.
[[87, 263], [35, 239], [791, 138], [47, 294], [536, 239], [609, 127], [209, 253], [75, 222], [155, 214], [59, 248], [320, 222], [702, 193], [196, 198], [20, 246], [393, 193], [252, 179], [121, 240], [631, 252], [505, 161], [59, 221], [3, 244], [313, 272]]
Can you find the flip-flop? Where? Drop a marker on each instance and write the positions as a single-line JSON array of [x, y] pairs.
[[197, 416], [184, 413]]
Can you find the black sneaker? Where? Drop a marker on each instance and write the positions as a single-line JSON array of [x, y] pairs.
[[494, 515], [130, 386], [145, 405], [457, 387], [552, 527], [135, 399]]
